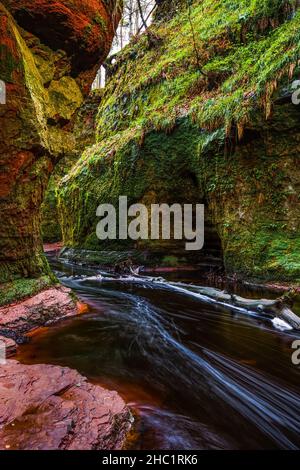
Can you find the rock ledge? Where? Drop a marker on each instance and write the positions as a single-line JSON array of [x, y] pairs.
[[42, 309], [44, 407]]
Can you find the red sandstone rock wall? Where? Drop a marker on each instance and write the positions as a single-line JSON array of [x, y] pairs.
[[82, 28], [49, 54]]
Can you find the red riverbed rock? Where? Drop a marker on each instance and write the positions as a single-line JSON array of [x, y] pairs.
[[44, 407], [44, 308], [10, 347], [53, 247]]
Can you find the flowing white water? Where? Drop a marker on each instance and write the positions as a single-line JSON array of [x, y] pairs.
[[223, 374]]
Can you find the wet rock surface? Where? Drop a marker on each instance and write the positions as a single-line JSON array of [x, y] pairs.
[[43, 309], [44, 407], [9, 345]]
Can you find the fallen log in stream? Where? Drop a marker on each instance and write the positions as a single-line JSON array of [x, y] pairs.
[[280, 307]]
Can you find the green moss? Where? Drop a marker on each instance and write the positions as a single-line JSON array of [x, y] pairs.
[[8, 64], [171, 127], [265, 255], [84, 135], [100, 21], [157, 170], [23, 288], [45, 63], [66, 96], [171, 261], [51, 231], [152, 86]]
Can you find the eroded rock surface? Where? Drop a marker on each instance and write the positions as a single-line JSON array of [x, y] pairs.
[[44, 407], [42, 309], [82, 28], [9, 345]]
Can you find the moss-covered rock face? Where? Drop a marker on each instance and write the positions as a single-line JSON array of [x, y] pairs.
[[200, 109], [166, 9], [253, 193], [84, 136], [46, 82]]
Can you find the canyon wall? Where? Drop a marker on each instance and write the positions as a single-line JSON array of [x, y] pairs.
[[199, 109], [49, 54]]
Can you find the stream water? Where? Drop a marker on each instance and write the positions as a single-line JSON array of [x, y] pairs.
[[197, 374]]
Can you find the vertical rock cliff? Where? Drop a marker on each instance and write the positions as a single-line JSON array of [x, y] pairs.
[[49, 53], [200, 109]]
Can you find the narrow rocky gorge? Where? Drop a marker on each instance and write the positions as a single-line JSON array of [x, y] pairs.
[[213, 124], [49, 54], [199, 108]]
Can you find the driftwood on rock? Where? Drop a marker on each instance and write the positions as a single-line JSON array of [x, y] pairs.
[[288, 316]]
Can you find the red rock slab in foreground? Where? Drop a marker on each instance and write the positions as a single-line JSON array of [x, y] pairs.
[[44, 407], [44, 308]]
